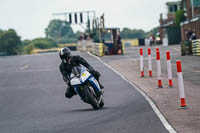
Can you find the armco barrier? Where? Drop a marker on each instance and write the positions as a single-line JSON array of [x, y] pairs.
[[98, 49]]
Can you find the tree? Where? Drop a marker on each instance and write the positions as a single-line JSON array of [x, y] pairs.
[[10, 42], [180, 17], [132, 33], [26, 42], [60, 31], [154, 32], [1, 31]]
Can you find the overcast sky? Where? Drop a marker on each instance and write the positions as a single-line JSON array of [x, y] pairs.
[[30, 17]]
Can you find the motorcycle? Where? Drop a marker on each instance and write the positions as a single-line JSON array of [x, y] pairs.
[[87, 87]]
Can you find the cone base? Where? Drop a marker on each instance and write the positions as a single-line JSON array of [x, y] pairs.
[[170, 83], [183, 104], [150, 73], [142, 74], [159, 83]]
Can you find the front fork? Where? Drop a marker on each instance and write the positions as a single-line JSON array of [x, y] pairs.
[[79, 90], [95, 85]]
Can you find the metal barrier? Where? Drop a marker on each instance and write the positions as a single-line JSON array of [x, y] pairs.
[[84, 45], [98, 49], [3, 53]]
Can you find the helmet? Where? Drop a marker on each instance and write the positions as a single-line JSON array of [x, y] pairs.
[[65, 54]]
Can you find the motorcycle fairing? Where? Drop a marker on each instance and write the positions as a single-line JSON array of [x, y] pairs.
[[94, 83]]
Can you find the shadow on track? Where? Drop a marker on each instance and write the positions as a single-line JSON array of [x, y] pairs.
[[85, 110]]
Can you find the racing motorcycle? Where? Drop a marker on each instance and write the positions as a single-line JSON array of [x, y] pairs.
[[87, 87]]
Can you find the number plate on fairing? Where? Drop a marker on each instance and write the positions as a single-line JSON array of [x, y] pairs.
[[75, 81], [85, 76]]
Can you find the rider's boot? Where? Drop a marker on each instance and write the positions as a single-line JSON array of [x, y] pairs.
[[101, 86]]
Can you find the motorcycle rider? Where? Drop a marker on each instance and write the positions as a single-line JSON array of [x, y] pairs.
[[68, 62]]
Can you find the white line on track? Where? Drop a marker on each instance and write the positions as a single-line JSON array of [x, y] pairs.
[[151, 103], [24, 67]]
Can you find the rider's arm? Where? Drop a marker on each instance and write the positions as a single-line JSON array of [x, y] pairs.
[[83, 62], [62, 70]]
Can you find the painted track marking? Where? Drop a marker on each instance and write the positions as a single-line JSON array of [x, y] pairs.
[[24, 67]]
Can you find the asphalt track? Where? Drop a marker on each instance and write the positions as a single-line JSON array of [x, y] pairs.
[[32, 101]]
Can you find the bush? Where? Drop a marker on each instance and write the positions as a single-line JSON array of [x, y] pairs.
[[40, 43], [10, 42], [28, 49], [43, 43]]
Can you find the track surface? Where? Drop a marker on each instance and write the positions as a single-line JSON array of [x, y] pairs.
[[32, 101]]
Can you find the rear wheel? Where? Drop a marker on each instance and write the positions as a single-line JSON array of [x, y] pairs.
[[90, 98]]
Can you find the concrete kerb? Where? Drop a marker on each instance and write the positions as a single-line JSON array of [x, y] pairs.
[[149, 100]]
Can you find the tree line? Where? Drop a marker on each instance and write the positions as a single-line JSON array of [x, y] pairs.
[[57, 32], [11, 43]]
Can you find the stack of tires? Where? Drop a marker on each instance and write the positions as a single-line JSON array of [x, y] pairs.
[[186, 48], [98, 49], [196, 47]]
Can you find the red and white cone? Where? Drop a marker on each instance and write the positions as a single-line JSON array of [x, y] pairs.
[[158, 69], [149, 62], [180, 83], [169, 69], [157, 49], [141, 63]]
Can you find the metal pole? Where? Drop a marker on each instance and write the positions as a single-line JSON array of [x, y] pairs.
[[192, 2]]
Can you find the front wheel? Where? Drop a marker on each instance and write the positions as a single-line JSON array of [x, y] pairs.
[[101, 104], [90, 98]]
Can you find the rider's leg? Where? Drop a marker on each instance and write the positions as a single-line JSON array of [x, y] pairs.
[[70, 92], [96, 75], [101, 86]]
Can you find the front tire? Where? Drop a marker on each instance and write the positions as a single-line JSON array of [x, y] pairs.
[[101, 104], [91, 98]]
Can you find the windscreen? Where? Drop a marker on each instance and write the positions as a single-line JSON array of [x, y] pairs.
[[76, 71]]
